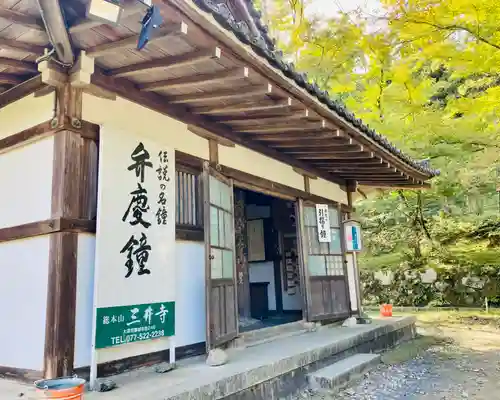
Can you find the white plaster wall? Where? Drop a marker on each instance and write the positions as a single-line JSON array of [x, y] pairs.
[[190, 303], [251, 162], [264, 272], [132, 118], [25, 113], [84, 299], [26, 176], [329, 190], [23, 296]]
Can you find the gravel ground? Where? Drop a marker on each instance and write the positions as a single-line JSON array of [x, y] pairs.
[[463, 361]]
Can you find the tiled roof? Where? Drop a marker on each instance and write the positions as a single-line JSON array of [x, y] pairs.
[[264, 46]]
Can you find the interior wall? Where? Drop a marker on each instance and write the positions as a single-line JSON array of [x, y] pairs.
[[264, 272], [291, 302], [23, 295]]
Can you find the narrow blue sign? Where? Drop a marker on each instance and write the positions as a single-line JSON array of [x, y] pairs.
[[355, 241]]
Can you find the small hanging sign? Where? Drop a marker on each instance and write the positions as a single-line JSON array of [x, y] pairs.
[[352, 234], [323, 218]]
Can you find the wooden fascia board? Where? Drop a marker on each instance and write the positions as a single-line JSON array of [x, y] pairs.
[[206, 22], [128, 90]]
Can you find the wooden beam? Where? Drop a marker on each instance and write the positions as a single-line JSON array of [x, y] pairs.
[[166, 63], [16, 45], [158, 103], [210, 136], [244, 107], [198, 80], [213, 151], [18, 92], [24, 65], [221, 95], [9, 79], [305, 173], [46, 227], [100, 50], [18, 18], [42, 129]]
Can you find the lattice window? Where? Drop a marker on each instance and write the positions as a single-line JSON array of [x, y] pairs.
[[324, 259], [189, 206]]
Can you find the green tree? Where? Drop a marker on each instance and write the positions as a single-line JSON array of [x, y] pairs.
[[427, 75]]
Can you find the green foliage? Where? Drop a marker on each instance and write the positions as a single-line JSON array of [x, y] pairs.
[[427, 75]]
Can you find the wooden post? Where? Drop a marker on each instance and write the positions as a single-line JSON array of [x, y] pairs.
[[74, 189]]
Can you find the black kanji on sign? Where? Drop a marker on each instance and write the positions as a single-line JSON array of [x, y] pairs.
[[161, 215], [139, 249], [163, 156], [138, 205], [162, 172], [140, 157]]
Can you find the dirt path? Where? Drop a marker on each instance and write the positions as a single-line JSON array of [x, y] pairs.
[[457, 358]]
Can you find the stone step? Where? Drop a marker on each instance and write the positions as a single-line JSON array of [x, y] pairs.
[[266, 335], [337, 375]]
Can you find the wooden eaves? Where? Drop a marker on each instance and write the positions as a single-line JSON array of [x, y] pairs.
[[194, 71]]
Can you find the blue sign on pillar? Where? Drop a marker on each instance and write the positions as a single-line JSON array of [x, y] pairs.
[[352, 233]]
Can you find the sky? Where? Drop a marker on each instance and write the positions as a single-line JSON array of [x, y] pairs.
[[328, 8]]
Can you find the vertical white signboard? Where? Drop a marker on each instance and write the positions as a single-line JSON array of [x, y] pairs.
[[323, 218], [134, 282]]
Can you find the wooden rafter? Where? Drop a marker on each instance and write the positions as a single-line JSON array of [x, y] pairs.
[[319, 152], [24, 65], [294, 136], [292, 141], [226, 94], [16, 45], [112, 47], [244, 107], [24, 89], [244, 120], [18, 18], [159, 103], [286, 127], [348, 154], [8, 79], [182, 60], [198, 80]]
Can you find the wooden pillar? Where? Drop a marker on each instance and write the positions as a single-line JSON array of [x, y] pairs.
[[243, 278], [74, 188]]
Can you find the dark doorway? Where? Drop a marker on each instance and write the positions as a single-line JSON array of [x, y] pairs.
[[266, 261]]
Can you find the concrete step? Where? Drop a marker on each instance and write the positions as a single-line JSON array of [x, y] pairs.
[[337, 375], [266, 335]]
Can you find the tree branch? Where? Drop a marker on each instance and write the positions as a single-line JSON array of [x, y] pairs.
[[455, 28]]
